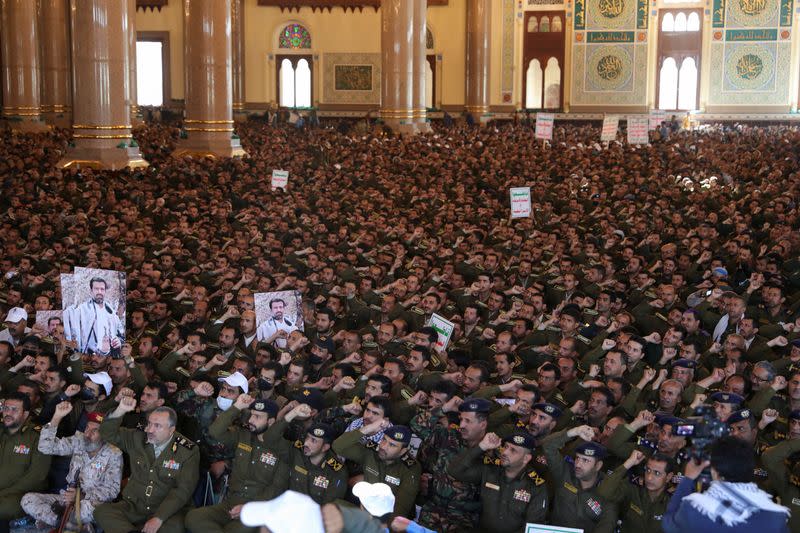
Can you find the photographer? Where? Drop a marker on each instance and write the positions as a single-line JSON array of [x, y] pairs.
[[732, 502]]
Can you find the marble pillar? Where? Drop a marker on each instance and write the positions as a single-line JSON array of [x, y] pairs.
[[133, 92], [237, 51], [479, 23], [56, 61]]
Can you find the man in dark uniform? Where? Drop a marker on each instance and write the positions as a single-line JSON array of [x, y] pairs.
[[512, 491], [164, 472], [257, 472], [387, 462], [577, 502], [24, 467]]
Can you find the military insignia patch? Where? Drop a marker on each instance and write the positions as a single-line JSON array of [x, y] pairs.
[[268, 458], [321, 482], [522, 495]]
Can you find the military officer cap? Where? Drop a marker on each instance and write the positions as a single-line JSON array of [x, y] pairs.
[[684, 363], [95, 417], [796, 343], [369, 346], [265, 406], [591, 449], [727, 397], [401, 434], [312, 397], [326, 343], [549, 409], [669, 420], [794, 415], [475, 405], [742, 414], [322, 431], [522, 439]]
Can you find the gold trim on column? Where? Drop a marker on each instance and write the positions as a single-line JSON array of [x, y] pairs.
[[210, 130], [91, 163], [238, 106], [93, 136], [198, 121], [20, 114], [477, 108], [98, 127], [21, 107]]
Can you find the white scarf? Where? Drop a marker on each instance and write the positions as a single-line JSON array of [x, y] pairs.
[[733, 503]]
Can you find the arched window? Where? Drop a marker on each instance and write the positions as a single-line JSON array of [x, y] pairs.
[[552, 84], [544, 27], [693, 22], [294, 36], [556, 26], [533, 25], [668, 85], [428, 38], [687, 85], [668, 22], [150, 73], [680, 21], [533, 92], [428, 85], [294, 81]]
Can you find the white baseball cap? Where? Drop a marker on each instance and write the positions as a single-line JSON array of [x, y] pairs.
[[236, 380], [376, 498], [15, 314], [102, 379], [291, 512]]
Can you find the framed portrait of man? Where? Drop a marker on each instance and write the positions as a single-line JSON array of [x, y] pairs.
[[93, 303], [277, 315]]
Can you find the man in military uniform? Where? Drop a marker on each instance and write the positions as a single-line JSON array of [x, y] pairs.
[[24, 466], [387, 462], [313, 467], [164, 472], [98, 466], [512, 491], [257, 473], [641, 506], [449, 505], [576, 502]]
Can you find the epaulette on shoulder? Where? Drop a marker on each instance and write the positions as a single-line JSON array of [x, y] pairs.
[[186, 443], [371, 445], [417, 310], [333, 463], [490, 459], [298, 444], [583, 339], [536, 478], [409, 461], [553, 328]]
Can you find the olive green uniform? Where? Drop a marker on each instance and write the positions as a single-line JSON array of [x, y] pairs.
[[508, 504], [257, 474], [402, 475], [24, 468], [574, 506], [324, 483], [639, 513], [158, 486], [784, 484]]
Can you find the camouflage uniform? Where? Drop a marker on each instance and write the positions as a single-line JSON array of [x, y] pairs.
[[204, 411], [450, 505], [100, 475]]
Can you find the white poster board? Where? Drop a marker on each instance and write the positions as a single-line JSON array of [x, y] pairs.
[[544, 126], [520, 202], [543, 528], [610, 126], [637, 130], [657, 116], [280, 179], [445, 330]]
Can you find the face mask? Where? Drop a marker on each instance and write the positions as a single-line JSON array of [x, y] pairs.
[[224, 403], [87, 395], [314, 359], [264, 385]]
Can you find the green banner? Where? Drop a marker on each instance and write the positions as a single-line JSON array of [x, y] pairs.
[[752, 35], [718, 15], [610, 36]]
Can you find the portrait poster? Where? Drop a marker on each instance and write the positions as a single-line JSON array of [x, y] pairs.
[[49, 321], [93, 304], [278, 311]]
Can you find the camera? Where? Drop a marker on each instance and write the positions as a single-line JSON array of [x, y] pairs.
[[701, 429]]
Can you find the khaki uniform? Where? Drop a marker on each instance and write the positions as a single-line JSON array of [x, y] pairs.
[[100, 475], [158, 486], [402, 476], [258, 474], [508, 504], [24, 468], [638, 512]]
